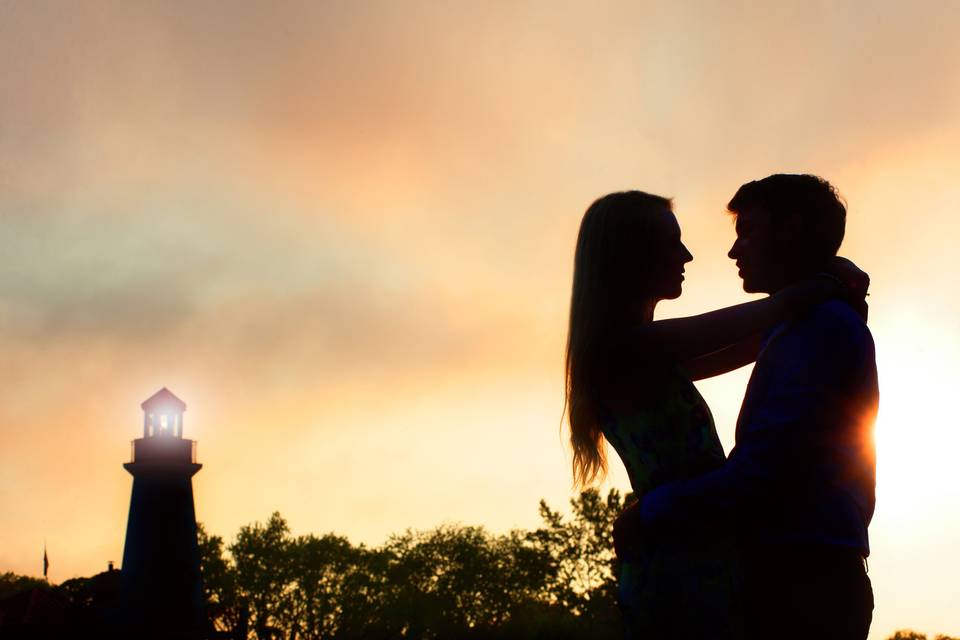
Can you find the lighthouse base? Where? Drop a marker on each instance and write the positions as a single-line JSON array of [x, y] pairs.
[[160, 594]]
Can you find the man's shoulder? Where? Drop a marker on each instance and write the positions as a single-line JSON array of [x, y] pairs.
[[832, 316], [834, 325]]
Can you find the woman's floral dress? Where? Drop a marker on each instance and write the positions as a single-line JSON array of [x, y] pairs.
[[681, 583]]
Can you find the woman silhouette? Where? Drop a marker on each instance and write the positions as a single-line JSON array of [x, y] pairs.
[[629, 382]]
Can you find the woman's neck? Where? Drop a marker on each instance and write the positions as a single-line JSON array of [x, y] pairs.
[[641, 311]]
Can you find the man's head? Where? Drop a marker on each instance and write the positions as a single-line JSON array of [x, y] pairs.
[[788, 227]]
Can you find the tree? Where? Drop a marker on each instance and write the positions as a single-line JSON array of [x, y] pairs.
[[11, 584], [219, 581], [457, 580], [451, 581], [323, 569], [581, 551], [79, 592], [557, 582], [264, 578], [366, 610]]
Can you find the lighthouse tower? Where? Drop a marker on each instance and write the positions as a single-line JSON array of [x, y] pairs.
[[160, 579]]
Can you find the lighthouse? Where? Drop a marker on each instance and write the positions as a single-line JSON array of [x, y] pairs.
[[160, 579]]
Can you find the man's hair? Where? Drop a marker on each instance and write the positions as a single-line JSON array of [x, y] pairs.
[[808, 203]]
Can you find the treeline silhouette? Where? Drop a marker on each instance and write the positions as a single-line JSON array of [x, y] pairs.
[[454, 581], [449, 582]]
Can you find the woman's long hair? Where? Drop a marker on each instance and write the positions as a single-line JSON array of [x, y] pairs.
[[614, 247]]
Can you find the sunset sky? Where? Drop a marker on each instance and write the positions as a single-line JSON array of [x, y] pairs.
[[342, 233]]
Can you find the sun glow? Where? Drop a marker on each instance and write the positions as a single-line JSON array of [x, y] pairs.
[[916, 442]]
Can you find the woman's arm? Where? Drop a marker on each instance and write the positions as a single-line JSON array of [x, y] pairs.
[[741, 353], [725, 360], [682, 340]]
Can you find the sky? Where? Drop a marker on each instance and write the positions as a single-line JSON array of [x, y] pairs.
[[343, 234]]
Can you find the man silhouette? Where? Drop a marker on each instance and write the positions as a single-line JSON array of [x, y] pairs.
[[800, 481]]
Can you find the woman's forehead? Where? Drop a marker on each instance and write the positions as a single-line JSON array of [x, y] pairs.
[[668, 221]]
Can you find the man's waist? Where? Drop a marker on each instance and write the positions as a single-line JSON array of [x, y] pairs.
[[801, 551], [819, 559], [813, 517], [803, 544]]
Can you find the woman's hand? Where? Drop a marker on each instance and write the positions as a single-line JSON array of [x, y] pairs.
[[854, 278]]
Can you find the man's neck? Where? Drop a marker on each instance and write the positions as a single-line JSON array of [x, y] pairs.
[[790, 278]]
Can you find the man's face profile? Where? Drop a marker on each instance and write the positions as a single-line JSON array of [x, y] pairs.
[[755, 252]]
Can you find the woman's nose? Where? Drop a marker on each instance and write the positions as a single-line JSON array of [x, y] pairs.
[[732, 254]]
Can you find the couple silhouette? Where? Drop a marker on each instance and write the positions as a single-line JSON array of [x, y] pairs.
[[770, 542]]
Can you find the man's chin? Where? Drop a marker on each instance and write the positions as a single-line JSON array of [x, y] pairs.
[[758, 288]]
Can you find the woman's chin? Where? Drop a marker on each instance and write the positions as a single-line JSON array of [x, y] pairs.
[[674, 293]]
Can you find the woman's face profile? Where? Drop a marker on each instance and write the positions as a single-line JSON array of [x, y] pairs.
[[668, 257]]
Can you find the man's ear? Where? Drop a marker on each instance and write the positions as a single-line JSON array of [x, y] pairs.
[[791, 245], [791, 228]]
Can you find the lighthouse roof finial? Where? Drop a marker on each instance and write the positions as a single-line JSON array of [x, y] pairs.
[[163, 401]]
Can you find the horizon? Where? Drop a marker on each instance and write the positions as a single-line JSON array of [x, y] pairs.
[[343, 235]]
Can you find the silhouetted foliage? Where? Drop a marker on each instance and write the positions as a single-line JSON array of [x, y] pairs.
[[78, 607], [556, 582], [263, 563], [452, 581], [11, 584], [79, 592], [219, 583], [582, 552]]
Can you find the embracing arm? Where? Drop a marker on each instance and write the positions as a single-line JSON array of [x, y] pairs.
[[725, 360], [719, 341], [684, 340]]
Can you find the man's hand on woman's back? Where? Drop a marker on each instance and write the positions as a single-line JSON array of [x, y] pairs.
[[626, 529]]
